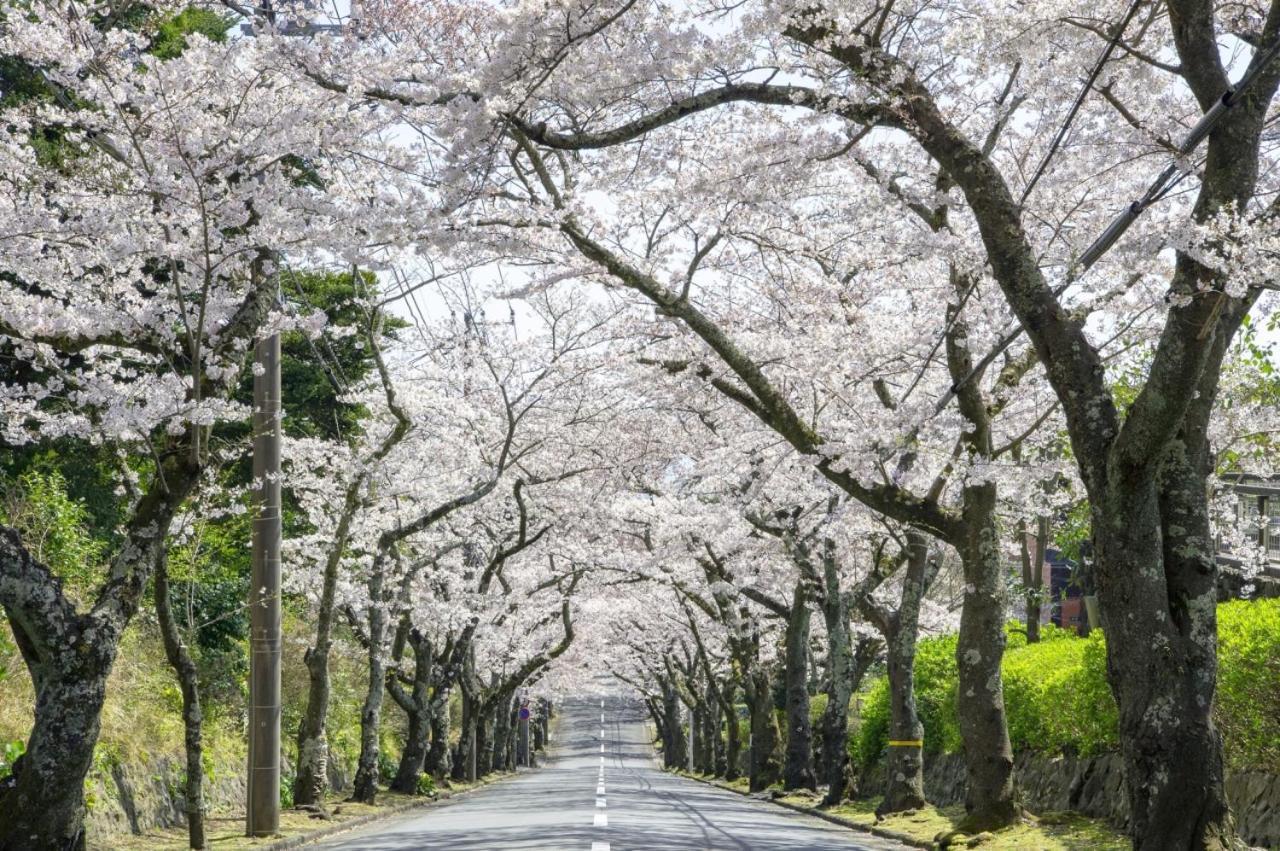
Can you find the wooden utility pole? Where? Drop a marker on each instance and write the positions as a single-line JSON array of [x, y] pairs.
[[263, 811]]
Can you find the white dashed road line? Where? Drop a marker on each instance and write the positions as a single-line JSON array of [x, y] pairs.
[[601, 817]]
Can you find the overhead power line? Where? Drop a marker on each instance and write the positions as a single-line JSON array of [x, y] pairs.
[[1177, 170], [1075, 107]]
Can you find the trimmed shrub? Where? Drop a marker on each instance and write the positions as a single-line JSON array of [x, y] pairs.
[[1058, 700], [1248, 703]]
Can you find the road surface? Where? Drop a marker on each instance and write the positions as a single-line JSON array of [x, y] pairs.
[[601, 790]]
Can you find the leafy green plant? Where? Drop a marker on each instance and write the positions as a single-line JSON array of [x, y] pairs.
[[171, 35], [9, 753], [426, 785], [286, 790], [54, 527]]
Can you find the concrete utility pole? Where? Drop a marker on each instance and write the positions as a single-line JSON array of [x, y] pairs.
[[263, 811]]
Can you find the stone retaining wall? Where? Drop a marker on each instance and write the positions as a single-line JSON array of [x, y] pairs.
[[133, 797], [1095, 787]]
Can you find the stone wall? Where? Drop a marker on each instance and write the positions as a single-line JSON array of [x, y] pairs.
[[1095, 787], [133, 796]]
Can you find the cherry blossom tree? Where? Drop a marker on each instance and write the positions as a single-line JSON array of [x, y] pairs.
[[138, 270]]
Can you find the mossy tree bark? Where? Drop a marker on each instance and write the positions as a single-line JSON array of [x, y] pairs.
[[69, 657], [437, 761], [847, 664], [797, 772], [416, 704], [904, 763]]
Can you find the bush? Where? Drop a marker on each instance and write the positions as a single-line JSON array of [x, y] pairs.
[[1056, 695], [426, 785], [1057, 698], [935, 686], [1248, 705], [9, 753]]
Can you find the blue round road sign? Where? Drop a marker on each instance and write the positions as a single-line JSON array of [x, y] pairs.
[[524, 713]]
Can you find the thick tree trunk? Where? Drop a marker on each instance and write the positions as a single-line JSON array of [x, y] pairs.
[[714, 764], [464, 763], [989, 800], [1033, 556], [798, 760], [502, 729], [654, 707], [437, 761], [46, 809], [189, 683], [839, 687], [763, 770], [1157, 588], [904, 760], [835, 718], [483, 759], [675, 753], [417, 707], [69, 657], [310, 780], [708, 732], [733, 732], [366, 783], [538, 727], [835, 722], [413, 758]]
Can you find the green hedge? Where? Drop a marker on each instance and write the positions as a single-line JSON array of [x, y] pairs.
[[1057, 697], [1248, 706]]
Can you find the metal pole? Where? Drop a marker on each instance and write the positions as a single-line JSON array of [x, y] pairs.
[[263, 810]]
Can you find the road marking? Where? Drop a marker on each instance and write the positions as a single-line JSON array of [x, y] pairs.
[[600, 804], [602, 747], [602, 820], [599, 846], [602, 732], [600, 789], [602, 758]]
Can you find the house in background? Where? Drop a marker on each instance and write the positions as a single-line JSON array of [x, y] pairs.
[[1063, 602], [1066, 584], [1259, 512], [1066, 591]]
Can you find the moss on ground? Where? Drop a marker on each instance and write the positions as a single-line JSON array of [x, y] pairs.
[[1051, 832], [225, 831]]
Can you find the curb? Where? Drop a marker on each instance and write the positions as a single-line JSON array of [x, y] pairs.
[[816, 813], [360, 821]]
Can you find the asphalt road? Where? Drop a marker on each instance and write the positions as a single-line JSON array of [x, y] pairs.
[[602, 791]]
